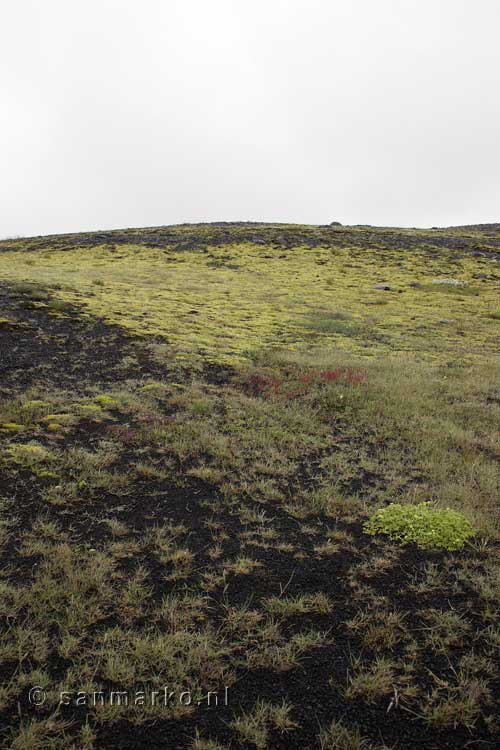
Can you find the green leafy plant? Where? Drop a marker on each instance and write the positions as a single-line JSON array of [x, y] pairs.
[[425, 526]]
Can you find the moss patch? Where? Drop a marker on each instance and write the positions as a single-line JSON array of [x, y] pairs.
[[221, 302], [425, 526]]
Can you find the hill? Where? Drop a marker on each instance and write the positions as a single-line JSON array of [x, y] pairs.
[[258, 465], [301, 286]]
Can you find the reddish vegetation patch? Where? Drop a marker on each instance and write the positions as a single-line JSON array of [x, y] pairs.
[[291, 387]]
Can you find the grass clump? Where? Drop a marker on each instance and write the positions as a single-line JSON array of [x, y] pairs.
[[29, 454], [59, 306], [108, 402], [425, 526], [334, 321], [339, 737], [31, 290]]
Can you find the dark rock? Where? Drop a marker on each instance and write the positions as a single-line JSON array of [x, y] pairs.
[[415, 284]]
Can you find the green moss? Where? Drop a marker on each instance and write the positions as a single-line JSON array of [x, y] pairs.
[[425, 526]]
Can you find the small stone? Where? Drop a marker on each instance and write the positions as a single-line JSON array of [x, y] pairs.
[[382, 287], [415, 284]]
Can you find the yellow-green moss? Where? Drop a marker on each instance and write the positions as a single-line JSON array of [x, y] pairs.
[[47, 476], [63, 419], [228, 300], [108, 402], [91, 411], [35, 405], [29, 454], [11, 427]]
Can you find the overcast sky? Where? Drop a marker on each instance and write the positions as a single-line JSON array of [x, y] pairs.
[[123, 113]]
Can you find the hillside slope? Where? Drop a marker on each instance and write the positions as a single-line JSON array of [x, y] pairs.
[[197, 424], [275, 285]]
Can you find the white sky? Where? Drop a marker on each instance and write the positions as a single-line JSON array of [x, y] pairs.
[[122, 113]]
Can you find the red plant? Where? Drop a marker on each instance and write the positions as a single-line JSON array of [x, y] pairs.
[[264, 384], [343, 373], [331, 376], [308, 377], [354, 378]]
